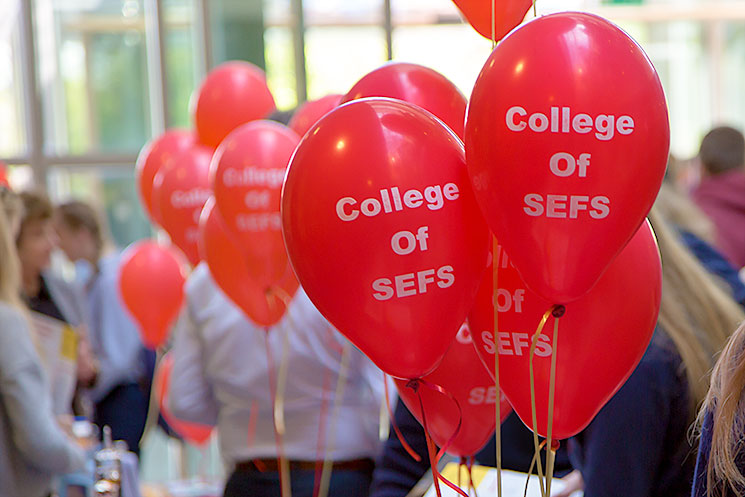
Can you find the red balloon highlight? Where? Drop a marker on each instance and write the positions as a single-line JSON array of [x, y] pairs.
[[383, 230], [417, 85], [180, 193], [507, 14], [310, 112], [461, 375], [247, 174], [195, 433], [566, 142], [229, 269], [155, 157], [233, 93], [601, 338], [152, 288]]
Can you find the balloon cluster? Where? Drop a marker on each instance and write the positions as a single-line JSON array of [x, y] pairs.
[[399, 233]]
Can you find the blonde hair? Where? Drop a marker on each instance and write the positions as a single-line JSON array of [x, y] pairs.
[[10, 267], [678, 209], [695, 312], [725, 403]]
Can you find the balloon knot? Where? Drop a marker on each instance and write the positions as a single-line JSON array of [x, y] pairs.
[[555, 444], [559, 311], [414, 385]]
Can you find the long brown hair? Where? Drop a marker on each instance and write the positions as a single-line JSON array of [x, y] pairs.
[[696, 313], [725, 403], [10, 266]]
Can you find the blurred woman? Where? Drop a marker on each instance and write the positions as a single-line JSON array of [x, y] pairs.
[[32, 446], [121, 390], [720, 466], [637, 445], [59, 311]]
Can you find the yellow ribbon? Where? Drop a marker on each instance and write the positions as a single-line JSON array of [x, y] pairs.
[[341, 381], [498, 431], [550, 452], [533, 344]]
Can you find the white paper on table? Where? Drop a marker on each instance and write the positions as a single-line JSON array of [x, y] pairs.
[[57, 345]]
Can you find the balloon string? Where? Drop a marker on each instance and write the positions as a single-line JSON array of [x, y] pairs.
[[536, 456], [493, 24], [253, 416], [283, 465], [439, 389], [498, 425], [534, 342], [470, 478], [535, 10], [434, 458], [153, 408], [461, 465], [558, 312], [340, 383], [322, 424], [400, 436]]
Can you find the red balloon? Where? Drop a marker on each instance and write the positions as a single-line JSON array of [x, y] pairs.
[[506, 13], [151, 284], [179, 193], [155, 156], [601, 338], [195, 433], [461, 375], [417, 85], [310, 112], [383, 231], [228, 267], [247, 174], [566, 142], [233, 93]]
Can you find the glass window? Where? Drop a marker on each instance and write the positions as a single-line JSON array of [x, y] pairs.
[[455, 50], [93, 75], [112, 188], [12, 124], [280, 66], [179, 40], [337, 57]]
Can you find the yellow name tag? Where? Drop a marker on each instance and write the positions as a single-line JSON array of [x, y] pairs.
[[69, 344]]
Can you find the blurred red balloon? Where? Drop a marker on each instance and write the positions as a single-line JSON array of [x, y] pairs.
[[195, 433], [567, 141], [152, 288], [231, 273], [461, 375], [179, 193], [417, 85], [156, 156], [247, 174], [310, 112], [506, 13], [4, 175], [602, 336], [233, 93], [383, 231]]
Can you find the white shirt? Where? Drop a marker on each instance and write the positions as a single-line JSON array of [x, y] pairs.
[[220, 372]]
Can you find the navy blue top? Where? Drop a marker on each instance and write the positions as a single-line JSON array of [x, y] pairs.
[[397, 472], [700, 487], [637, 445], [715, 263]]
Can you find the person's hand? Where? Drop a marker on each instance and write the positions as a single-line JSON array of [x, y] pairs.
[[573, 482], [87, 364], [64, 421]]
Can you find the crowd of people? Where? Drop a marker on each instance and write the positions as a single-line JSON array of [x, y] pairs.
[[70, 348]]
